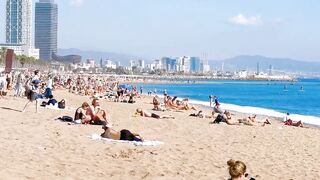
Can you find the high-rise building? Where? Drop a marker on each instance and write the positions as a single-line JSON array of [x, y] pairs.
[[46, 28], [195, 64], [19, 22]]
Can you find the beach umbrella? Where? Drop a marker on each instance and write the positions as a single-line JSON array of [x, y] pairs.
[[125, 86]]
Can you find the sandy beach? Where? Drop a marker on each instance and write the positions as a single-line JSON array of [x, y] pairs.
[[36, 146]]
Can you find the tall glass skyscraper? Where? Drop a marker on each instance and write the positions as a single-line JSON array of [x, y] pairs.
[[46, 28], [19, 22], [195, 64]]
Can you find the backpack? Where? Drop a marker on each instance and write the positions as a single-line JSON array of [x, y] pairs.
[[218, 119], [66, 118], [62, 104]]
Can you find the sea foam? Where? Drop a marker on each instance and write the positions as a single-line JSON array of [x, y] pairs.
[[262, 111], [259, 111]]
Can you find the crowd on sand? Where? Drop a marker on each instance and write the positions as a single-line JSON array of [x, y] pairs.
[[38, 88]]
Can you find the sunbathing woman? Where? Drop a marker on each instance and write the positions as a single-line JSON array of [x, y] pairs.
[[124, 134], [145, 113], [81, 115]]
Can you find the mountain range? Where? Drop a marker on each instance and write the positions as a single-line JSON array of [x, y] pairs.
[[243, 62], [252, 63]]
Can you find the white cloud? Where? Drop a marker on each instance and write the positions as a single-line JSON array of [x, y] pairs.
[[76, 3], [240, 19]]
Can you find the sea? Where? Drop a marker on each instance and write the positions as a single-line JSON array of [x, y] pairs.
[[272, 98]]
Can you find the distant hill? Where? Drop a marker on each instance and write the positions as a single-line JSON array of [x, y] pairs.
[[282, 64], [97, 55]]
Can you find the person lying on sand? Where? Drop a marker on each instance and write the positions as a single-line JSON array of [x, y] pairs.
[[251, 121], [183, 105], [226, 118], [124, 134], [290, 122], [145, 113], [200, 114]]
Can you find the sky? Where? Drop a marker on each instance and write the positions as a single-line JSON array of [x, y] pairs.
[[219, 28]]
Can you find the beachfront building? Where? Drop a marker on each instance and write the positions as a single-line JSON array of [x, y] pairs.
[[91, 63], [19, 22], [141, 64], [194, 64], [46, 28], [132, 63], [183, 64], [243, 74], [169, 64], [157, 64], [20, 49], [109, 64], [19, 28]]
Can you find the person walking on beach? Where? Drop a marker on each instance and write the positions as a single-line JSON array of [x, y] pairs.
[[32, 91], [19, 85]]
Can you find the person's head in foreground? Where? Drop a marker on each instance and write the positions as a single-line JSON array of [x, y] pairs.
[[237, 169]]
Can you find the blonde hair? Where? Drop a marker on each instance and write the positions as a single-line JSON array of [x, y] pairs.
[[236, 168]]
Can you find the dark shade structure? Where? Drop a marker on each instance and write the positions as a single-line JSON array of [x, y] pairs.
[[75, 59], [46, 28]]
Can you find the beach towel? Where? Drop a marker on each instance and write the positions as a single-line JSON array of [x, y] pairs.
[[56, 108], [136, 143]]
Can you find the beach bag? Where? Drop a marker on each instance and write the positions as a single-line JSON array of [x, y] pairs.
[[66, 118], [218, 119], [62, 104]]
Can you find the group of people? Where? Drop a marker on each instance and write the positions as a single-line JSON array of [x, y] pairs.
[[36, 86]]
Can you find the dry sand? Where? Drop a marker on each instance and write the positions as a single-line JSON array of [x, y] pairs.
[[35, 146]]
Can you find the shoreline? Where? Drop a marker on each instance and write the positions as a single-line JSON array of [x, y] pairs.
[[278, 117]]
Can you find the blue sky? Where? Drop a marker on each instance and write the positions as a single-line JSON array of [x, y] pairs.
[[222, 29]]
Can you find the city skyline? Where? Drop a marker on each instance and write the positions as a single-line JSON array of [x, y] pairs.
[[177, 28]]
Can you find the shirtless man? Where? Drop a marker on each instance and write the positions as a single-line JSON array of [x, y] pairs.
[[124, 134], [97, 114], [145, 113]]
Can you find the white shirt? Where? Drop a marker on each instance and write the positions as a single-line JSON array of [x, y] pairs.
[[285, 118], [49, 83]]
